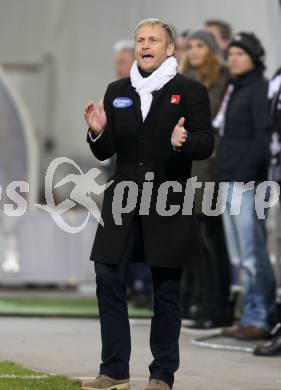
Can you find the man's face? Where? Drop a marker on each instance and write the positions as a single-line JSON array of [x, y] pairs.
[[123, 63], [239, 61], [197, 52], [152, 47], [215, 31], [181, 46]]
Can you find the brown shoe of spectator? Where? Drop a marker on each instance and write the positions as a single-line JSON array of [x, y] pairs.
[[243, 332]]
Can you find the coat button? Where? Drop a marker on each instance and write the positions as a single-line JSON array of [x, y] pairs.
[[141, 164], [141, 136]]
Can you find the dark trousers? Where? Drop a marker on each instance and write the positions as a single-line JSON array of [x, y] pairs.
[[208, 280], [216, 266], [113, 311]]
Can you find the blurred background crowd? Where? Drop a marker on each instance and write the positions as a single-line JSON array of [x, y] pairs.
[[245, 109]]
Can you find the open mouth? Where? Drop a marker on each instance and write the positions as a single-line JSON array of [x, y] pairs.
[[147, 56]]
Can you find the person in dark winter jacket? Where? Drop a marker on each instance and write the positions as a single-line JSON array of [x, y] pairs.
[[206, 285], [244, 122]]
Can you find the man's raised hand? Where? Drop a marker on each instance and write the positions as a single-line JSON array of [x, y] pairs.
[[95, 117], [179, 135]]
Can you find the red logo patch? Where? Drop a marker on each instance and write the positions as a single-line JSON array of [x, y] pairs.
[[175, 99]]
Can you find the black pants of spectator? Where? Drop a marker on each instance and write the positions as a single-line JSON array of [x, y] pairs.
[[113, 311], [207, 282]]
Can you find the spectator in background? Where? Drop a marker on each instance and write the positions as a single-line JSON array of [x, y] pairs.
[[207, 285], [273, 348], [221, 31], [139, 279], [274, 94], [123, 58], [181, 45], [244, 121]]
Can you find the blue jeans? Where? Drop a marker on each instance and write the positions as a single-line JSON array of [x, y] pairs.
[[246, 241], [113, 311]]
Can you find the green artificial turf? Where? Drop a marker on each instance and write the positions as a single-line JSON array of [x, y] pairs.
[[58, 306], [19, 380]]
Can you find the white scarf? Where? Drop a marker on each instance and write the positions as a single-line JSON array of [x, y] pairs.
[[219, 120], [146, 85]]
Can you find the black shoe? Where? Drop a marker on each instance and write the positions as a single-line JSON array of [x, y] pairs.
[[272, 348]]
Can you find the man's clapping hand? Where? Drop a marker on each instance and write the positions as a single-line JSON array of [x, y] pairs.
[[95, 117], [179, 135]]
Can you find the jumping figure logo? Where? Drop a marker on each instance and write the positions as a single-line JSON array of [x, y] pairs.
[[85, 184]]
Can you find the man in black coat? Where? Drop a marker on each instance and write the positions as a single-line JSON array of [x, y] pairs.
[[156, 122]]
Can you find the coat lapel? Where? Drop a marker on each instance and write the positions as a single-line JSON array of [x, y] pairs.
[[137, 105], [155, 102]]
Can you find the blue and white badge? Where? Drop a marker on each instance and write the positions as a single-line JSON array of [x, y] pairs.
[[122, 102]]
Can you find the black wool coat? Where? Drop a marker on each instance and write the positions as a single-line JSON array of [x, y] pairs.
[[145, 146]]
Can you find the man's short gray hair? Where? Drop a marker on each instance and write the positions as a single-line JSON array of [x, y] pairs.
[[169, 30], [124, 44]]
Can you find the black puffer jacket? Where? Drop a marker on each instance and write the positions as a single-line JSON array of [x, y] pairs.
[[243, 150]]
